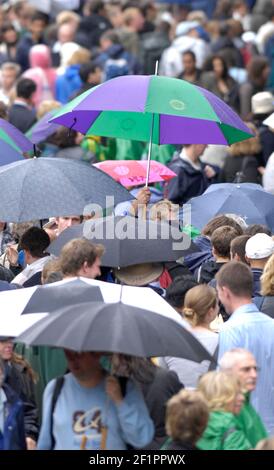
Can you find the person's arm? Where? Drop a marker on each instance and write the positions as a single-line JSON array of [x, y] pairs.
[[236, 440], [136, 424], [44, 440]]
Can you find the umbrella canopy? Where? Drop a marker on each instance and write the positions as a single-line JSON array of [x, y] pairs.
[[48, 298], [17, 302], [40, 188], [129, 241], [247, 200], [269, 121], [115, 328], [42, 128], [133, 172], [12, 143], [170, 110]]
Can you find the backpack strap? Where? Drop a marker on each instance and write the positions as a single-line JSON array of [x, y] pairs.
[[56, 392], [214, 361]]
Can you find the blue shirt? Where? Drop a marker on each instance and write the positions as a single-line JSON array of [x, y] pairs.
[[252, 330], [82, 411]]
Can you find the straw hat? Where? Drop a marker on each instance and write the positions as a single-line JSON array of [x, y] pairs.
[[139, 274]]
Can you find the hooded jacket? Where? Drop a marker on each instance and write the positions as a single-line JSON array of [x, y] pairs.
[[223, 433], [190, 182]]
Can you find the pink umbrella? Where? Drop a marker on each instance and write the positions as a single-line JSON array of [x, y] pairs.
[[133, 173]]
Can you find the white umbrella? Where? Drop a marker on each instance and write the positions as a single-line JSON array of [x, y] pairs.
[[14, 302]]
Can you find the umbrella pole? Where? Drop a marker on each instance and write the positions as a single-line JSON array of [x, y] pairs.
[[150, 137]]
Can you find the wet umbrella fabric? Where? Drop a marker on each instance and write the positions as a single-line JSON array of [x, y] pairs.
[[115, 328], [40, 188], [129, 240]]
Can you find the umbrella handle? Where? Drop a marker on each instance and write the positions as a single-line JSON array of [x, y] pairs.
[[83, 442], [151, 133], [103, 444]]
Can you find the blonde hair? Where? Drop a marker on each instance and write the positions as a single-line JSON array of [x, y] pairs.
[[47, 106], [267, 278], [187, 416], [162, 210], [67, 17], [81, 56], [198, 301], [219, 389], [250, 146]]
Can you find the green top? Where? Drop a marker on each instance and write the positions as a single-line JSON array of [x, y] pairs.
[[251, 423], [223, 433]]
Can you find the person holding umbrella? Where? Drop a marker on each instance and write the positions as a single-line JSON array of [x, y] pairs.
[[90, 401], [193, 176]]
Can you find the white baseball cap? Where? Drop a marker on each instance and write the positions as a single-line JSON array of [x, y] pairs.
[[259, 246]]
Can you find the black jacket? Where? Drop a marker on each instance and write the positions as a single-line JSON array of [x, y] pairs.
[[21, 117], [207, 271], [19, 381], [156, 394], [189, 182]]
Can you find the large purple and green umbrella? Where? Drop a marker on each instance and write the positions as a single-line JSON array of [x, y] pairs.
[[13, 143], [170, 110]]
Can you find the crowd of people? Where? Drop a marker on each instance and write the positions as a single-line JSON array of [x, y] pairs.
[[53, 398]]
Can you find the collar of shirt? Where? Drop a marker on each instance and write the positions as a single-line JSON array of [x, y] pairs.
[[21, 103], [183, 156], [247, 308]]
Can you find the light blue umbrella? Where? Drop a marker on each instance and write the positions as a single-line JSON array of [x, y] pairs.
[[246, 200], [40, 188]]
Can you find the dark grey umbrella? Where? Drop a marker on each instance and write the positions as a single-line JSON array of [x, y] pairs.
[[50, 297], [40, 188], [129, 240], [117, 328]]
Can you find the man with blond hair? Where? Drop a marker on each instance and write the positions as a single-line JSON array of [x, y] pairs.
[[242, 364]]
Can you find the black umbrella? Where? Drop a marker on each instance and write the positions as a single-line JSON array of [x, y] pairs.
[[51, 297], [117, 328], [129, 240], [39, 188]]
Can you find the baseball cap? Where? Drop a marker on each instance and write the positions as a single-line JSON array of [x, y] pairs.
[[259, 246]]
